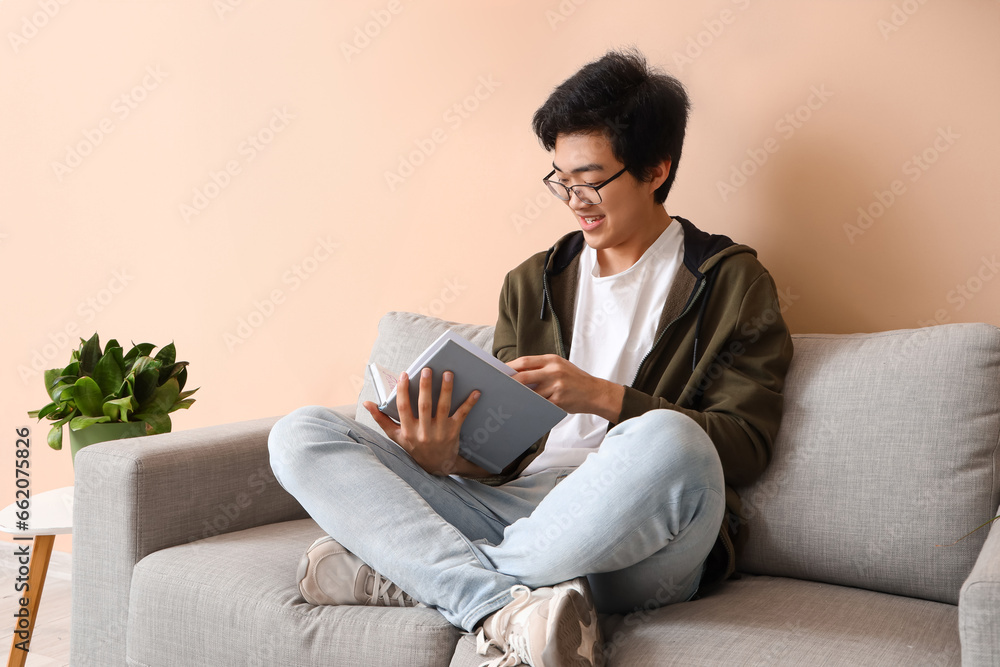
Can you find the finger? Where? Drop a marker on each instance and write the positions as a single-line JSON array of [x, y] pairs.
[[533, 361], [466, 407], [529, 377], [383, 420], [403, 402], [444, 398], [425, 397]]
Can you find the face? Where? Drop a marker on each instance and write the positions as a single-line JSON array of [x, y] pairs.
[[627, 210]]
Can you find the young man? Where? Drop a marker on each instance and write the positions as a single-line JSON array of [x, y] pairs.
[[664, 343]]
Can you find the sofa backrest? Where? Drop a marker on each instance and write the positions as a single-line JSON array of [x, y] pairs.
[[888, 446]]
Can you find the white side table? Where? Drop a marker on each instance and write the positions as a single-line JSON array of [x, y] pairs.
[[51, 515]]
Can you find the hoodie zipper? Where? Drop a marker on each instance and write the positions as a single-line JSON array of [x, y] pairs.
[[687, 309], [555, 318]]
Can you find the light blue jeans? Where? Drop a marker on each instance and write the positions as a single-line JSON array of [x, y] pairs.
[[638, 517]]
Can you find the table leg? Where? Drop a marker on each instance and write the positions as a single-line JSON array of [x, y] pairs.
[[41, 551]]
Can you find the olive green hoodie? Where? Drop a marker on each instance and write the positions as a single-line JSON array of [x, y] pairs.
[[720, 353]]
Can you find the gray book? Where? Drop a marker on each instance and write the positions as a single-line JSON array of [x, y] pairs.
[[506, 420]]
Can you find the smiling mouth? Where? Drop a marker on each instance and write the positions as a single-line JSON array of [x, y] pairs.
[[589, 222]]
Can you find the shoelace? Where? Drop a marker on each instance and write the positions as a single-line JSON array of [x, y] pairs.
[[514, 644], [381, 588]]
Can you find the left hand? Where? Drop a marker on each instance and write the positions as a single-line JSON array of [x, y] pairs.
[[569, 387]]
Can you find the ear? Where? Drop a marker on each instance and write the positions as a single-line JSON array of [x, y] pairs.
[[659, 174]]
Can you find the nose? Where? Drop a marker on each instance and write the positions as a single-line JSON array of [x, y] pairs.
[[579, 205]]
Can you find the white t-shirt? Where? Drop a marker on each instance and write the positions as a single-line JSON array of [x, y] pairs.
[[613, 329]]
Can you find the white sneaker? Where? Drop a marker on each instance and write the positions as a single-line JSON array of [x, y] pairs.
[[547, 627], [330, 574]]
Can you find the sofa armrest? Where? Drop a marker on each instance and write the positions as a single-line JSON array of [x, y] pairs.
[[979, 606], [135, 497]]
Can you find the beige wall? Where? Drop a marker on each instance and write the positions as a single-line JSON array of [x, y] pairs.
[[272, 284]]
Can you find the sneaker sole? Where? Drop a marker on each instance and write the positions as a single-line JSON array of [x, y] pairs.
[[576, 631]]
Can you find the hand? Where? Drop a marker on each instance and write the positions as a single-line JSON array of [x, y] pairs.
[[569, 387], [431, 439]]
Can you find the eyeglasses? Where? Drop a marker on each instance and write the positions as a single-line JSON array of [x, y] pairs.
[[587, 194]]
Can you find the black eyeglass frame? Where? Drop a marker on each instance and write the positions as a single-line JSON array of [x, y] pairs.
[[568, 188]]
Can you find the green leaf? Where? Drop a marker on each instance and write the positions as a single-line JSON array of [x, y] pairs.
[[140, 350], [167, 355], [155, 423], [145, 385], [67, 409], [182, 378], [116, 354], [50, 379], [88, 397], [46, 411], [111, 344], [119, 408], [181, 405], [162, 399], [54, 437], [90, 353], [144, 363], [108, 375], [185, 394], [64, 392], [83, 422], [167, 372], [72, 370]]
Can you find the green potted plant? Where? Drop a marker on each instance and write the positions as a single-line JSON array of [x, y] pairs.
[[110, 395]]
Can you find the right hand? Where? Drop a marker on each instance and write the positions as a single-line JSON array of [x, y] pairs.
[[431, 439]]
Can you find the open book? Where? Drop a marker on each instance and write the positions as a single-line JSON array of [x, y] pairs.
[[506, 420]]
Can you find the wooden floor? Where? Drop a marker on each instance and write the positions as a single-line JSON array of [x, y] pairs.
[[50, 643]]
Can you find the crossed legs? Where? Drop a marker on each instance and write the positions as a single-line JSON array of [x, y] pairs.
[[638, 517]]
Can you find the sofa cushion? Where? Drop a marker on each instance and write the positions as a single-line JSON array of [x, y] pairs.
[[232, 600], [401, 339], [888, 446], [776, 621]]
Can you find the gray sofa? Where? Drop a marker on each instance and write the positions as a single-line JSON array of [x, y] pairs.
[[185, 547]]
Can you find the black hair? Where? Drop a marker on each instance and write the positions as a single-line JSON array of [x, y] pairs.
[[643, 112]]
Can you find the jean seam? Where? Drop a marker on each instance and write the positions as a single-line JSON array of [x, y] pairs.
[[477, 613]]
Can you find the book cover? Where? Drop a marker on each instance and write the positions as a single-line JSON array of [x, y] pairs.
[[506, 420]]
